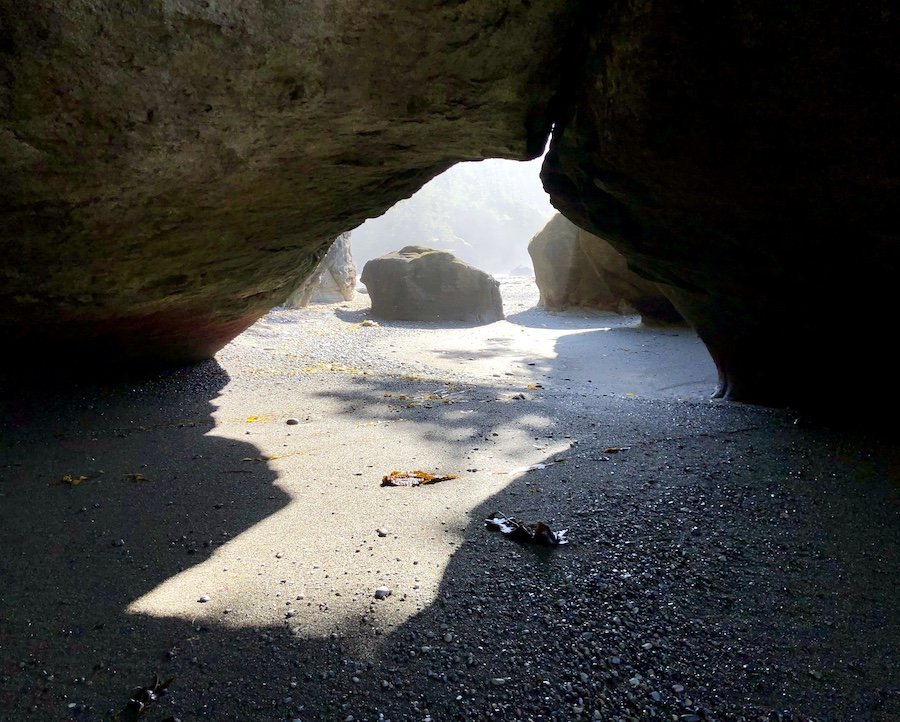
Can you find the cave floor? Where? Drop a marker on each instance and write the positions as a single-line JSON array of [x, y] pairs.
[[225, 526]]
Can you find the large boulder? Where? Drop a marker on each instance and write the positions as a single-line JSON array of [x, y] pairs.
[[333, 280], [574, 268], [422, 284]]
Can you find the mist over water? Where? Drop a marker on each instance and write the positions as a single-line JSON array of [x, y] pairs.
[[485, 212]]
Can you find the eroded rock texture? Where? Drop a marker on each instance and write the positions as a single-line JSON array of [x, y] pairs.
[[748, 154], [169, 171], [574, 268], [423, 284], [333, 280]]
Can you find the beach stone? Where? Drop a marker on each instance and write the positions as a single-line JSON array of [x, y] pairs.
[[382, 593], [576, 269], [333, 280], [422, 284]]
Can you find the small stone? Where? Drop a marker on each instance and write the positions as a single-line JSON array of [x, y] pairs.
[[119, 543], [499, 681], [382, 593], [369, 323], [279, 555], [289, 613], [381, 531], [448, 637], [677, 688], [656, 696], [292, 421], [204, 599]]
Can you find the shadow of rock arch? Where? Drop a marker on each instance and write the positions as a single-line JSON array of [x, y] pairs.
[[725, 564], [727, 561], [755, 556], [160, 496]]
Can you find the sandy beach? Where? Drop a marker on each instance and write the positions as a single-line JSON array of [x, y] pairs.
[[226, 526]]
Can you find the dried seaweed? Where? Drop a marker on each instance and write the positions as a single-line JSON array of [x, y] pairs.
[[141, 700], [538, 533], [413, 478]]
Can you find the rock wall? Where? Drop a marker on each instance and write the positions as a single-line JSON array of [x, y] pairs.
[[333, 280], [169, 171], [747, 154]]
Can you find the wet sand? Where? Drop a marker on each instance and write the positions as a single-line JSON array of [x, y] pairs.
[[724, 557]]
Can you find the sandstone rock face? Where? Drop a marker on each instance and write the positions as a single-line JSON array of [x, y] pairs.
[[333, 280], [574, 268], [421, 284], [748, 156], [169, 171]]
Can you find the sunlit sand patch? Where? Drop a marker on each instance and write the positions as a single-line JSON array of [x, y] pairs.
[[313, 567], [316, 571], [502, 347]]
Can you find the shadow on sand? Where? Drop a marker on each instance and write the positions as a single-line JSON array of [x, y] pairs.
[[150, 495], [722, 558]]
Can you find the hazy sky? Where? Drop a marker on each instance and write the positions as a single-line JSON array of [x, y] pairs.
[[485, 212]]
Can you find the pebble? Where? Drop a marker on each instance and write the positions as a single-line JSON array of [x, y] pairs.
[[292, 421], [204, 599], [499, 681], [382, 593], [119, 543], [381, 531]]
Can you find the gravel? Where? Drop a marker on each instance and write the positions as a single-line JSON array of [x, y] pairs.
[[727, 562]]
